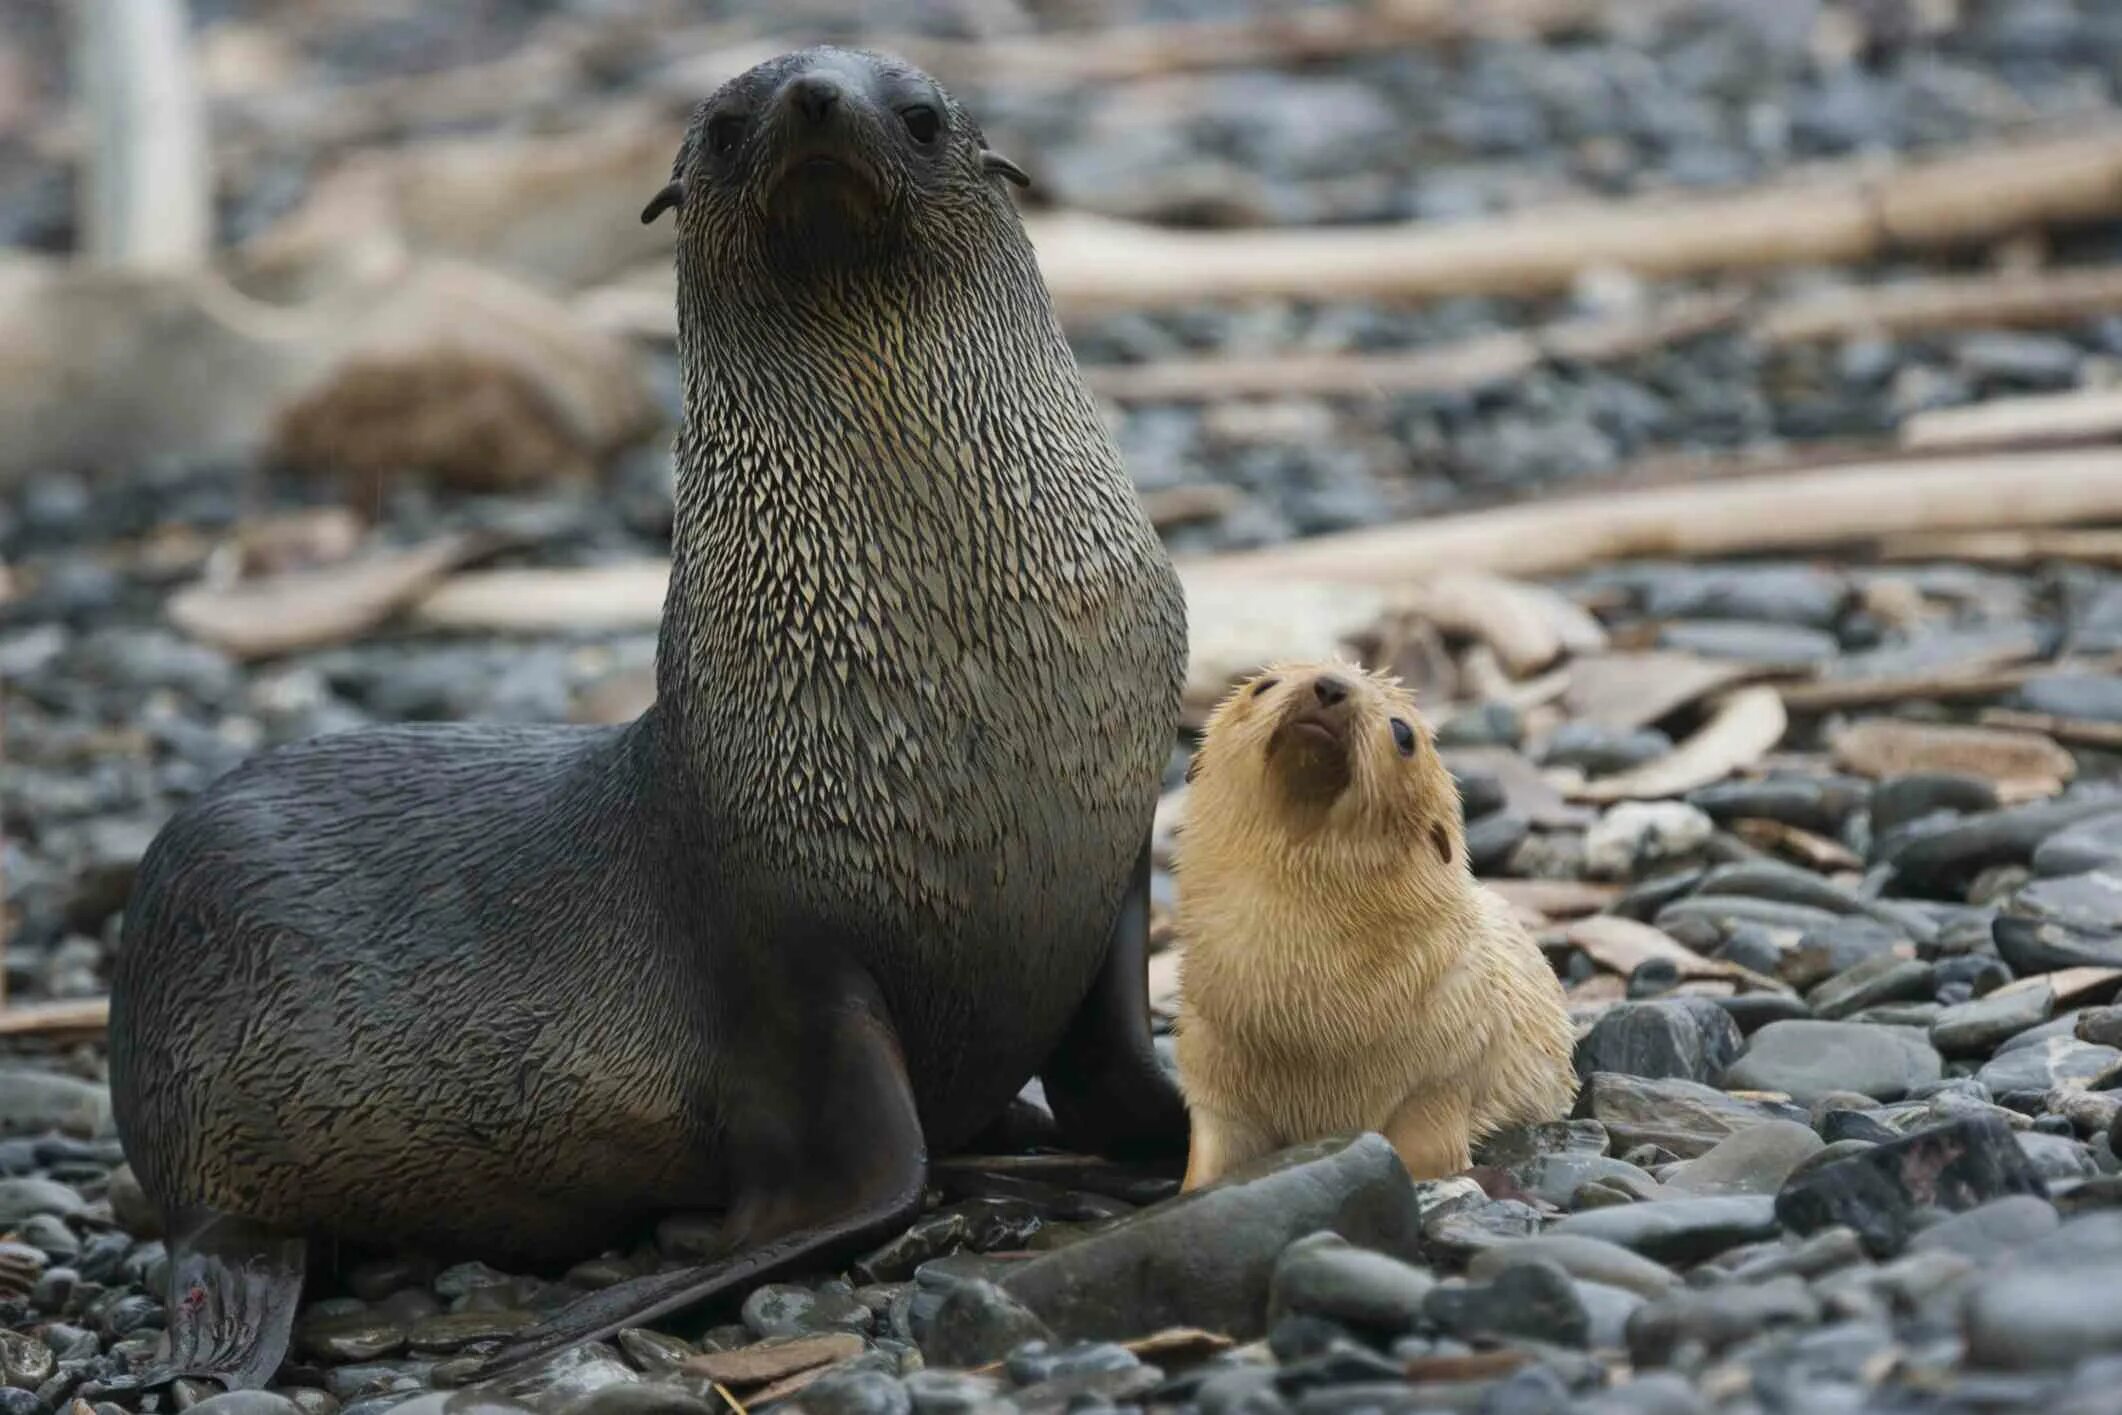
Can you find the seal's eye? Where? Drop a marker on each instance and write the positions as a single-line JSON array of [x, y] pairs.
[[1263, 685], [922, 121], [1403, 738], [723, 132]]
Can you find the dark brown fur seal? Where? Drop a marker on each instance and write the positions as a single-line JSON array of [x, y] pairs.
[[876, 857]]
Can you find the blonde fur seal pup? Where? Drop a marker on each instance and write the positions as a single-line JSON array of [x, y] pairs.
[[1344, 971]]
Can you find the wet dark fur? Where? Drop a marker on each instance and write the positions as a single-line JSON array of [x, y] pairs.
[[514, 989]]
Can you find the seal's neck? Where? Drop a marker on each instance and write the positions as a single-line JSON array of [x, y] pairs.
[[875, 472]]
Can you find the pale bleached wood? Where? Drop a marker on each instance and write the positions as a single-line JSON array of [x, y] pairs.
[[2020, 299], [62, 1018], [1835, 215], [146, 193], [1746, 727], [2047, 420]]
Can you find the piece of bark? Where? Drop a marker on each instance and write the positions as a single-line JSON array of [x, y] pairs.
[[769, 1361], [1883, 746], [1631, 690], [1780, 510], [146, 189], [1837, 215], [2048, 420], [303, 609], [2079, 731], [1467, 364], [2023, 300], [1746, 726], [61, 1018]]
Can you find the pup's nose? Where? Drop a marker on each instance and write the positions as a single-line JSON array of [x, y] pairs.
[[814, 96], [1329, 690]]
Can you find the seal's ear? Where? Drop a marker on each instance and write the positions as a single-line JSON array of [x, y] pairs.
[[670, 198], [996, 162]]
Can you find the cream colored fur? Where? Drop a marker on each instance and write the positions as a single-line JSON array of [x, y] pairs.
[[1343, 969]]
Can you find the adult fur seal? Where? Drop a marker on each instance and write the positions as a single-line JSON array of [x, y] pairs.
[[877, 856], [1343, 969]]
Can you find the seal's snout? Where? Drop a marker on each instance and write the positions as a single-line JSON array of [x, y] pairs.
[[815, 99], [1329, 690]]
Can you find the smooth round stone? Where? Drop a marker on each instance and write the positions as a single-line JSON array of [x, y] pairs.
[[1600, 750], [311, 1401], [1492, 724], [977, 1322], [23, 1199], [2091, 902], [1820, 804], [784, 1309], [1325, 1275], [1755, 1161], [1037, 1361], [1807, 1060], [2057, 1158], [2090, 845], [1977, 1028], [2094, 696], [350, 1336], [857, 1393], [451, 1331], [950, 1392], [2058, 1062], [1767, 645], [1586, 1259], [1884, 979], [1532, 1299], [1775, 594], [2044, 1317]]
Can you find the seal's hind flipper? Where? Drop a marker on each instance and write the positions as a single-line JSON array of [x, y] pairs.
[[234, 1286]]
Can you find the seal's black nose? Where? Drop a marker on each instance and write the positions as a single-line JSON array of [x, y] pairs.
[[814, 97], [1330, 690]]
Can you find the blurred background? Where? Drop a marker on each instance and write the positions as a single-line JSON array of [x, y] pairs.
[[336, 379]]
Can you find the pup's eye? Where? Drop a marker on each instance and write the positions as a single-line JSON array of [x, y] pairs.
[[1403, 738], [1263, 685], [723, 132], [922, 122]]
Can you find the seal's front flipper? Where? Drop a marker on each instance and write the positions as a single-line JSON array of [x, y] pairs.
[[1110, 1095], [821, 1174], [234, 1286]]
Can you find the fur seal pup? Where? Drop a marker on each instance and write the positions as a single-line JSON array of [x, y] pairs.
[[876, 857], [1343, 969]]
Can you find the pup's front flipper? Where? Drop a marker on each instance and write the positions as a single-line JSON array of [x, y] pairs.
[[1432, 1133]]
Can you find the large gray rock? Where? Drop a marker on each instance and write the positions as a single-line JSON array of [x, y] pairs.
[[1808, 1060], [1978, 1027], [1325, 1275], [35, 1102], [1754, 1161], [1686, 1037], [1881, 1192], [1207, 1258], [2058, 1063], [1587, 1259]]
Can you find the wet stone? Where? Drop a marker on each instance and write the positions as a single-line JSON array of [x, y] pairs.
[[659, 1351], [247, 1402], [1533, 1299], [1686, 1037], [350, 1336], [1945, 861], [2063, 1062], [1679, 1231], [1324, 1275], [784, 1309], [1819, 804], [1882, 1193], [1976, 1028], [1756, 1160], [1883, 979], [1806, 1060], [1037, 1361], [1766, 645], [856, 1392], [977, 1323], [450, 1331], [1775, 594], [1897, 800], [22, 1199], [978, 1225], [2056, 1158]]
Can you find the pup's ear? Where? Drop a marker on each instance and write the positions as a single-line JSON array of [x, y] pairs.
[[995, 162], [1440, 840], [669, 199]]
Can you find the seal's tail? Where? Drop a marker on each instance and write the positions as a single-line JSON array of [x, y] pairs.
[[233, 1289]]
